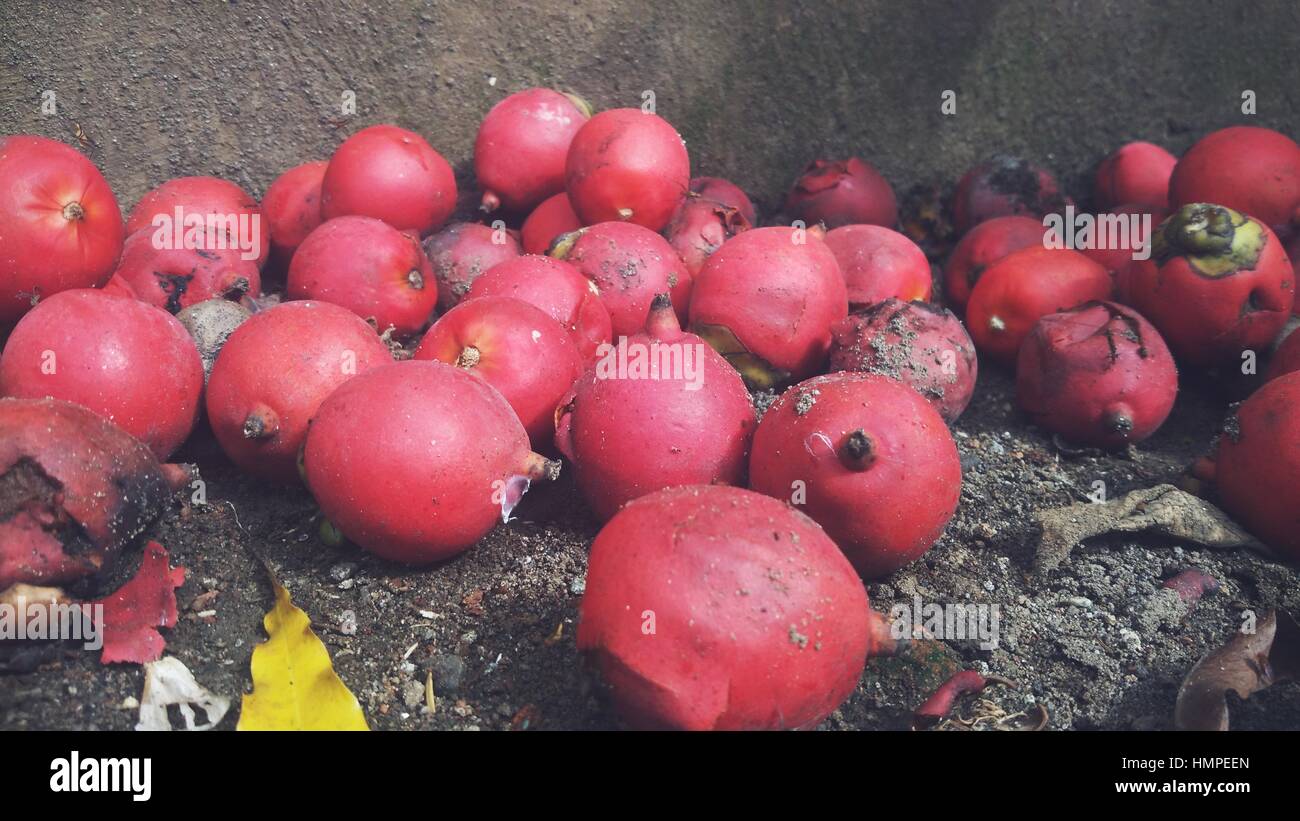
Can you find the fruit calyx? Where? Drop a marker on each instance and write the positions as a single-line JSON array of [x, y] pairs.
[[261, 423], [415, 279], [857, 451], [1215, 240], [469, 357], [74, 211], [489, 203]]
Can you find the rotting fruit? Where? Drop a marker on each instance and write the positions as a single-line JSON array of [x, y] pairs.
[[699, 228], [1004, 186], [463, 250], [842, 192], [176, 278], [208, 213]]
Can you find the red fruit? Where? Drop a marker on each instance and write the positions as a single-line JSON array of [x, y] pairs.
[[766, 301], [1257, 465], [626, 164], [205, 213], [1004, 186], [631, 427], [292, 207], [549, 221], [1098, 374], [629, 265], [557, 288], [725, 193], [60, 226], [921, 345], [368, 267], [272, 374], [842, 192], [868, 458], [1137, 173], [516, 348], [176, 278], [522, 144], [390, 174], [1248, 169], [700, 227], [1119, 257], [713, 608], [1285, 359], [878, 264], [131, 363], [982, 246], [1023, 286], [462, 251], [77, 488], [415, 461], [1217, 283]]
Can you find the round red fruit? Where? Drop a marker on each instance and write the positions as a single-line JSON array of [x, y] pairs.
[[982, 246], [1245, 168], [725, 193], [1128, 238], [1135, 174], [390, 174], [461, 252], [627, 165], [522, 145], [842, 192], [878, 264], [203, 213], [557, 288], [292, 208], [700, 227], [1001, 187], [548, 221], [176, 278]]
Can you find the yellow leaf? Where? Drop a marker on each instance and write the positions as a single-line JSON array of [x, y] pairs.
[[294, 683]]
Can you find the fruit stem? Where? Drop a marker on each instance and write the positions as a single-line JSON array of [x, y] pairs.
[[74, 211], [261, 423], [857, 451], [661, 323], [489, 203], [415, 279], [1202, 229], [537, 467], [625, 213], [468, 358]]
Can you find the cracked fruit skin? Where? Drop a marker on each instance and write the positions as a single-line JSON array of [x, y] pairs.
[[766, 301], [368, 267], [414, 460], [60, 225], [724, 192], [1217, 283], [516, 348], [625, 164], [547, 223], [842, 192], [522, 145], [1257, 466], [868, 458], [461, 252], [390, 174], [206, 197], [1004, 186], [131, 363], [982, 246], [176, 278], [1252, 170], [758, 621], [700, 226], [1134, 174], [272, 374], [292, 208], [1098, 374], [878, 264]]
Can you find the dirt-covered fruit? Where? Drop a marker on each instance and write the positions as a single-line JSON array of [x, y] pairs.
[[982, 246], [1136, 174], [176, 278], [463, 250], [557, 288], [522, 145], [1004, 186], [548, 221], [842, 192], [390, 174], [1252, 170], [627, 165], [210, 323], [292, 208], [879, 263], [206, 213]]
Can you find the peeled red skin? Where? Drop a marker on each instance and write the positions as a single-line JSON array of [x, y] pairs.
[[879, 263], [521, 148], [1118, 260], [368, 267], [204, 196], [982, 246], [1098, 374], [390, 174], [1137, 174], [292, 207], [778, 291], [131, 363], [60, 225], [1257, 465], [842, 192], [461, 252], [1246, 168], [699, 228], [921, 345], [557, 288], [516, 348], [548, 221], [630, 265], [885, 511], [627, 437], [1001, 187], [409, 459], [176, 278], [1019, 289], [74, 489], [629, 165], [759, 622], [726, 193], [272, 374], [1285, 359]]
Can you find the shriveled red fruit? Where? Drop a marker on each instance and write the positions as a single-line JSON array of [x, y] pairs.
[[74, 490], [131, 363], [766, 301], [629, 265], [203, 212], [521, 147], [60, 226], [272, 374], [1217, 283], [842, 192], [714, 608], [1001, 187], [982, 246], [627, 165], [390, 174], [921, 345], [1257, 465], [659, 409], [865, 456], [292, 208], [1252, 170], [1285, 359], [1120, 250], [516, 348], [1023, 286], [368, 267], [1135, 174], [726, 193], [557, 288], [548, 221], [176, 278], [878, 264], [1098, 374], [462, 251], [699, 228], [415, 461]]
